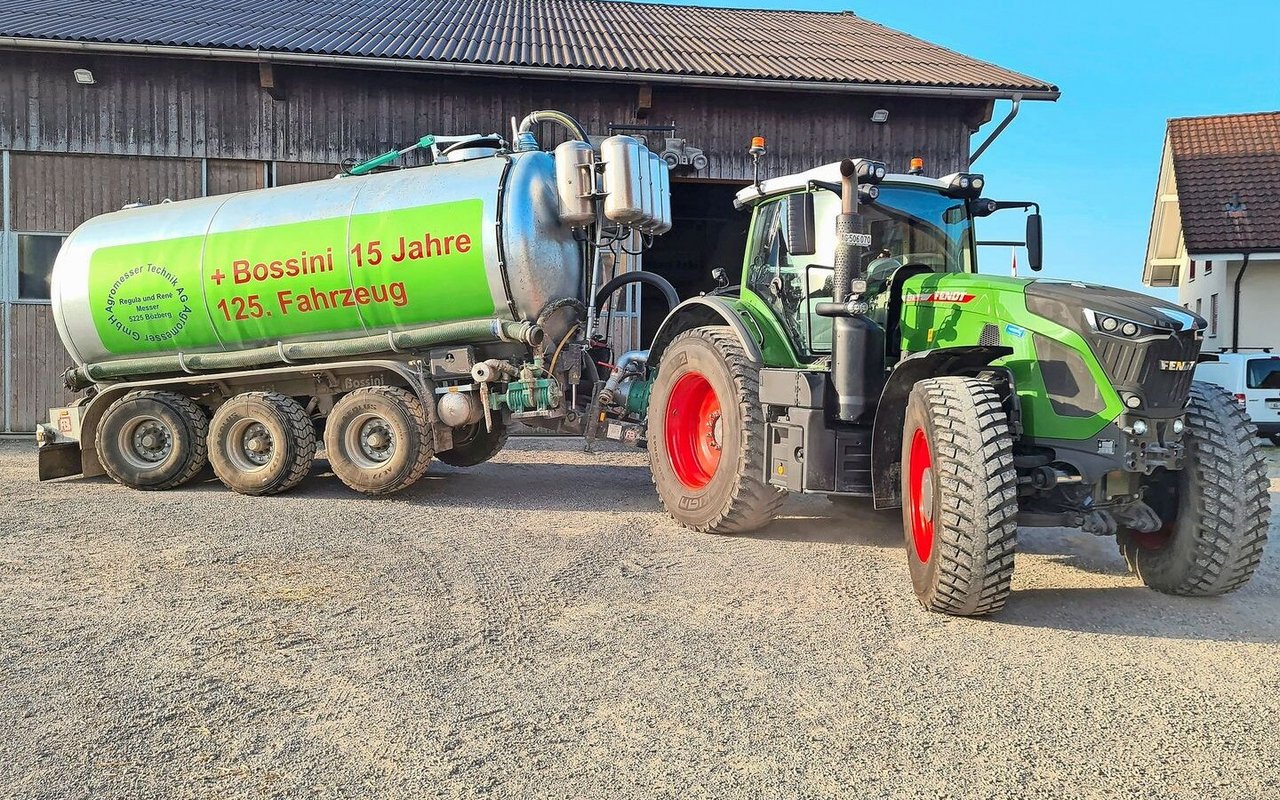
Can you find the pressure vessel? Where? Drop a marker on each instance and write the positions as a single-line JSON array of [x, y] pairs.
[[346, 257]]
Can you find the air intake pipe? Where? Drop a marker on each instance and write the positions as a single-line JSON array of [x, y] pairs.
[[857, 343]]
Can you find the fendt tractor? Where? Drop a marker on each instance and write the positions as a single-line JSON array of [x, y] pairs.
[[409, 313]]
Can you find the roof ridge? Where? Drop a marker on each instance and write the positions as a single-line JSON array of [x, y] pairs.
[[1225, 116]]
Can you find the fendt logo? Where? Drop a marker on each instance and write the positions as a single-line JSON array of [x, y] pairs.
[[1177, 366], [938, 297]]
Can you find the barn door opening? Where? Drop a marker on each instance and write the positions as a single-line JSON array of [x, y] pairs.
[[706, 232]]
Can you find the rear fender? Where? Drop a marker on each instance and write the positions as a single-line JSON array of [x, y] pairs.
[[707, 310], [891, 413]]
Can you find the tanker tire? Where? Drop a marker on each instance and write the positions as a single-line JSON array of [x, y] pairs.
[[1216, 539], [390, 410], [735, 499], [178, 417], [290, 442], [477, 448], [960, 526]]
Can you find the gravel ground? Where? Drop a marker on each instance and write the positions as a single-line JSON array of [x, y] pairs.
[[538, 628]]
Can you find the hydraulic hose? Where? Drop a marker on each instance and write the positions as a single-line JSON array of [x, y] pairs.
[[477, 330], [656, 281], [564, 120]]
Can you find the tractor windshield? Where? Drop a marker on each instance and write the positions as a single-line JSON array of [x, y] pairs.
[[908, 225]]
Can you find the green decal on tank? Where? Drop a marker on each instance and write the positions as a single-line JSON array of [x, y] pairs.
[[365, 272]]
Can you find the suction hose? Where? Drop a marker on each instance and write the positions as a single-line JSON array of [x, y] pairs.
[[656, 281]]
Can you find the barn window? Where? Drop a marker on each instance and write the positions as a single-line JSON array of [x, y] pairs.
[[36, 253]]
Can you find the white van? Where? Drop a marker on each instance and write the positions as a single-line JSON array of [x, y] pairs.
[[1254, 378]]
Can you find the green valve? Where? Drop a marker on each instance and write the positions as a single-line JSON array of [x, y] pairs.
[[638, 396]]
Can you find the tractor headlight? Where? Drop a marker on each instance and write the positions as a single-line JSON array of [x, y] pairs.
[[1122, 328], [1139, 427], [1179, 426], [870, 171], [964, 184]]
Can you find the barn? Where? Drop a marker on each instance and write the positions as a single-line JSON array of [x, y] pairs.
[[121, 101]]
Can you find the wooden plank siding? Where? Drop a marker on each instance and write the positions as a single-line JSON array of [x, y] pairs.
[[291, 172], [38, 361], [224, 176], [56, 192], [194, 108]]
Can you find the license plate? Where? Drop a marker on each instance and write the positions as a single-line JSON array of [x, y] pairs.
[[1274, 404]]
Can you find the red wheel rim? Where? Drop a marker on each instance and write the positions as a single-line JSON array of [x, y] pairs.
[[920, 487], [693, 430]]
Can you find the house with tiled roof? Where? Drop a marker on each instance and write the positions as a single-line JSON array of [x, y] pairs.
[[1215, 229]]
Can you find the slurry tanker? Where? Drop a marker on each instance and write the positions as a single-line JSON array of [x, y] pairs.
[[406, 314]]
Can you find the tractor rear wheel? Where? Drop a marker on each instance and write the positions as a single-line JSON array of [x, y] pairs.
[[153, 440], [261, 443], [959, 496], [707, 435], [473, 444], [378, 440], [1216, 509]]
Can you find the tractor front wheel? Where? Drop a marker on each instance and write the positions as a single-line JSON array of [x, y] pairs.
[[707, 435], [1216, 509], [959, 496]]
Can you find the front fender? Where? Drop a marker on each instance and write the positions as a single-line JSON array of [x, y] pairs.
[[891, 413]]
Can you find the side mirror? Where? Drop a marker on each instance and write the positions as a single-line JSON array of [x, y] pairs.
[[1035, 242], [800, 234]]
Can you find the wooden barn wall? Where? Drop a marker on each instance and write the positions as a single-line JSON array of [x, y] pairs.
[[37, 363], [224, 176], [193, 109], [56, 192]]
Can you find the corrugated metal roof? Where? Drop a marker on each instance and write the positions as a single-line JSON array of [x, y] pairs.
[[1228, 173], [597, 35]]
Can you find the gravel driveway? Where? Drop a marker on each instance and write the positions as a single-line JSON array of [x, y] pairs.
[[536, 627]]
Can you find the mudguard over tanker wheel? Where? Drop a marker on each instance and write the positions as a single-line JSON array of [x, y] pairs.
[[959, 496], [261, 443], [1216, 509], [378, 440], [153, 440], [707, 435], [473, 444]]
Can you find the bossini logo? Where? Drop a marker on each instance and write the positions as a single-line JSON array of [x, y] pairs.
[[1177, 366], [148, 304]]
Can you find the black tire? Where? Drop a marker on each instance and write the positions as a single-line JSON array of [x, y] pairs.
[[261, 443], [1216, 509], [472, 444], [722, 490], [959, 496], [388, 455], [153, 440], [1275, 439]]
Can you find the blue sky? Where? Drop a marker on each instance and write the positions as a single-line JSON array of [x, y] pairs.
[[1124, 68]]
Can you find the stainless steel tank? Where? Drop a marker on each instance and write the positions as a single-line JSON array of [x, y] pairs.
[[324, 260]]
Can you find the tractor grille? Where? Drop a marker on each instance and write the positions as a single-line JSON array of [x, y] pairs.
[[1137, 364]]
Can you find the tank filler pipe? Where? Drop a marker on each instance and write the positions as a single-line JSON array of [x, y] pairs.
[[525, 139]]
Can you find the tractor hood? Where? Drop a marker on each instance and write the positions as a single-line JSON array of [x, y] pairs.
[[1073, 304]]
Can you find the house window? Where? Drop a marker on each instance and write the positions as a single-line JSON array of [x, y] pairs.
[[1208, 268], [1213, 314], [36, 253], [1191, 270], [1198, 314]]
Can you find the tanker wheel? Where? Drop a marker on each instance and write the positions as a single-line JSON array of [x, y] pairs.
[[473, 444], [959, 496], [707, 435], [153, 440], [378, 440], [1216, 509], [261, 443]]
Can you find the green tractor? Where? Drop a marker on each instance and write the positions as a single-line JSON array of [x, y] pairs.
[[863, 356]]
